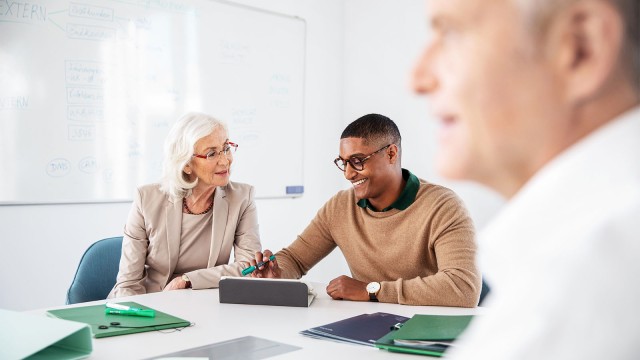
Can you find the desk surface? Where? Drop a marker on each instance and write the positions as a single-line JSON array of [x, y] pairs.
[[215, 322]]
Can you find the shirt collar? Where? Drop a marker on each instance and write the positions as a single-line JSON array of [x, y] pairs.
[[406, 198]]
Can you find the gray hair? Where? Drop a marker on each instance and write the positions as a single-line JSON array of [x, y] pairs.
[[178, 151], [540, 12], [630, 12]]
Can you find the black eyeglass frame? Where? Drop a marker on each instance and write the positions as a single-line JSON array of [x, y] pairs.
[[356, 166]]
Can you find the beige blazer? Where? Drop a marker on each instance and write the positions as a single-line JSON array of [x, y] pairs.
[[151, 242]]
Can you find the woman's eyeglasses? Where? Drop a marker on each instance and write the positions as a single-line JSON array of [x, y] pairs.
[[228, 149]]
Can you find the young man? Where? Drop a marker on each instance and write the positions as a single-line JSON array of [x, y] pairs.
[[539, 100], [406, 241]]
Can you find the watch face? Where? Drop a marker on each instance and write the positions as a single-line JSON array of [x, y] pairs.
[[373, 287]]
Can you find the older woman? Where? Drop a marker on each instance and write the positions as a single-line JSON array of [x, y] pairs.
[[180, 233]]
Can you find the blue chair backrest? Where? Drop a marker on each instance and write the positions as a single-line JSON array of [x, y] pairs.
[[484, 292], [97, 271]]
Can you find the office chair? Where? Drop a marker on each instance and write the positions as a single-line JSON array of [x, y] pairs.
[[97, 271]]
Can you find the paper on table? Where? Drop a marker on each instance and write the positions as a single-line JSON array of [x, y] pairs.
[[247, 347], [423, 344]]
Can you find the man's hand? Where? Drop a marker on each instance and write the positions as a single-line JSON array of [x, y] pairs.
[[346, 288], [270, 269]]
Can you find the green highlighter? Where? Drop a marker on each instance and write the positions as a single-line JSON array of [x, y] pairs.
[[251, 269], [118, 309]]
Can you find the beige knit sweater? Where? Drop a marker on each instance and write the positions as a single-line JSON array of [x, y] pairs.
[[423, 255]]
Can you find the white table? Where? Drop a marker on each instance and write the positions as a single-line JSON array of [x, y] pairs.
[[215, 322]]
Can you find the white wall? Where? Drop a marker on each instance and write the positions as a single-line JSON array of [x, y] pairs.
[[358, 61], [380, 52]]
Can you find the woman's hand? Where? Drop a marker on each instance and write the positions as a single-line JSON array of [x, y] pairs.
[[176, 284]]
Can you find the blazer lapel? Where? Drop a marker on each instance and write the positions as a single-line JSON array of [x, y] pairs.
[[220, 215], [174, 229]]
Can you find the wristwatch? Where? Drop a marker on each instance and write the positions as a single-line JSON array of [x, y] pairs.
[[186, 279], [372, 289]]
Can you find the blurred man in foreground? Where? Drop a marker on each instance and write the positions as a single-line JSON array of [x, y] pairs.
[[539, 101]]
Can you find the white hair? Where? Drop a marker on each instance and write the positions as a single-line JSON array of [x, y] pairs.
[[538, 14], [630, 11], [178, 151]]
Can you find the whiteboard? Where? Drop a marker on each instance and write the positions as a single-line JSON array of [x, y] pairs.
[[90, 88]]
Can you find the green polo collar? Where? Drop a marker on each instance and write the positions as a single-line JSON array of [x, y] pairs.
[[406, 198]]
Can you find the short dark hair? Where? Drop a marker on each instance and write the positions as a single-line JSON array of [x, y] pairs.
[[374, 128]]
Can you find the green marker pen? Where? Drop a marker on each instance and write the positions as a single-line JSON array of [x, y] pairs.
[[118, 309], [251, 269]]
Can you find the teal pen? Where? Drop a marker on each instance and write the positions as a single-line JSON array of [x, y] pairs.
[[118, 309], [251, 269]]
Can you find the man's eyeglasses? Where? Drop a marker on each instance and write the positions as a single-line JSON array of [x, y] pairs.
[[228, 149], [357, 163]]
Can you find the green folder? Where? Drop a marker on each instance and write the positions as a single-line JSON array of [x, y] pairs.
[[104, 325], [29, 336], [428, 328]]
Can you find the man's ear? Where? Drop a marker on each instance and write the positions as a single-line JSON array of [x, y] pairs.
[[392, 153], [588, 42]]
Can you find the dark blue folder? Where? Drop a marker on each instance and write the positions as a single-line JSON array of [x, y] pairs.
[[363, 329]]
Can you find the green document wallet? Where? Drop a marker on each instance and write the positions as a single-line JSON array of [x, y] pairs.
[[427, 328], [27, 336], [96, 318]]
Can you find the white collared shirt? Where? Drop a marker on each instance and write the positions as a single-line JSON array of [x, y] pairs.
[[563, 258]]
